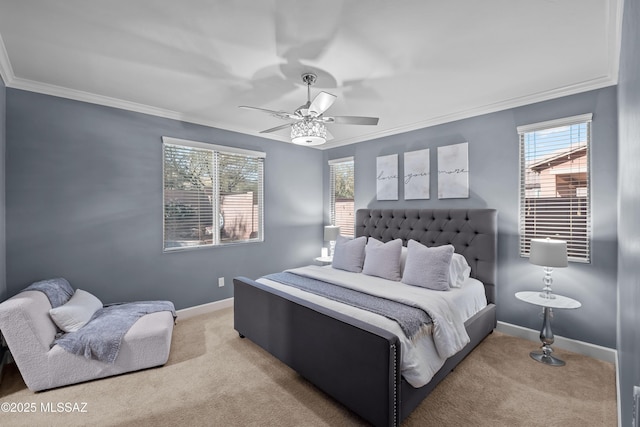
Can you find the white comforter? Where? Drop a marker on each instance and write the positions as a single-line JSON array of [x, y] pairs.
[[425, 355]]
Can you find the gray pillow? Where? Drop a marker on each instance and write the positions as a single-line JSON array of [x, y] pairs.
[[383, 259], [349, 254], [428, 267]]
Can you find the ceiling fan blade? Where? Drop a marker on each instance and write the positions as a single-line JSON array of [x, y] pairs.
[[280, 114], [321, 103], [351, 120], [276, 128], [246, 107]]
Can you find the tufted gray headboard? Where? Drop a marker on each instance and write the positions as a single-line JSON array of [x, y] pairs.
[[472, 232]]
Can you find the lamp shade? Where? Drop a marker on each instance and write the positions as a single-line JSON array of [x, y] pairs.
[[548, 253], [331, 232], [308, 132]]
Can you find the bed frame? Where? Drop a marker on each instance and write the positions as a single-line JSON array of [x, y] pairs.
[[356, 363]]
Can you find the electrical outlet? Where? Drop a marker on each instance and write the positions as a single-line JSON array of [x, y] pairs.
[[220, 282]]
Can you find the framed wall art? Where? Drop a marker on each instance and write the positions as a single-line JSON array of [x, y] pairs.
[[387, 177], [416, 174], [453, 171]]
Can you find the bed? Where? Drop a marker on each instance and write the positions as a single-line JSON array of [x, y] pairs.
[[356, 362]]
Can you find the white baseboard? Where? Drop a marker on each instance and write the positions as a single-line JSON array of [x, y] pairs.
[[597, 352], [186, 313], [618, 391]]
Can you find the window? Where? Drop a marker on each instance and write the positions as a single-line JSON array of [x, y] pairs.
[[342, 205], [554, 184], [213, 195]]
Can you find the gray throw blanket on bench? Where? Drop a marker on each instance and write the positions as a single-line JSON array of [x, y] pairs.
[[58, 290], [412, 320], [101, 337]]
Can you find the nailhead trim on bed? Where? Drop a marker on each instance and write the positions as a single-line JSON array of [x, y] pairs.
[[395, 384]]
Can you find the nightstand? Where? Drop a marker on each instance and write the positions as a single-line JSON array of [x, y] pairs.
[[546, 335], [324, 260]]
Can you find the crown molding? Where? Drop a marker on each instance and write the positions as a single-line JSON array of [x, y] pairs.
[[77, 95], [6, 72], [615, 13], [586, 86], [92, 98]]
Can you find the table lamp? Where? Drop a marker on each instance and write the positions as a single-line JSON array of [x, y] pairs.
[[550, 254], [331, 233]]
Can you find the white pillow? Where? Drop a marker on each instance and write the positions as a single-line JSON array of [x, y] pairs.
[[76, 312], [459, 271], [349, 254], [383, 259], [403, 259], [428, 267]]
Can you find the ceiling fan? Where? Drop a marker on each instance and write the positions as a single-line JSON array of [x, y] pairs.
[[308, 125]]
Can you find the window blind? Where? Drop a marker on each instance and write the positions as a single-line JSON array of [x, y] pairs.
[[239, 197], [342, 185], [555, 184], [213, 195]]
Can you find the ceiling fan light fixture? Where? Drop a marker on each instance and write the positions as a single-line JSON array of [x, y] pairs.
[[309, 127], [308, 132]]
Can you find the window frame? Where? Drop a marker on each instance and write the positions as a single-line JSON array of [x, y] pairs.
[[583, 119], [215, 150], [332, 182]]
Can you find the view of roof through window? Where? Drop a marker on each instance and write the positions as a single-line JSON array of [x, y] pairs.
[[555, 192]]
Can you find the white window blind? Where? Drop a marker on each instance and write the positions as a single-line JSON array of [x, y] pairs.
[[555, 184], [213, 195], [341, 182]]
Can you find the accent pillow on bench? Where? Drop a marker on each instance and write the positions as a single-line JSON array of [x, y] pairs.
[[76, 312]]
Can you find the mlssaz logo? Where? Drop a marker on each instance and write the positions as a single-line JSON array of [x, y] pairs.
[[67, 407]]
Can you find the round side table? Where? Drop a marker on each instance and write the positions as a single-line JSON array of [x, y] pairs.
[[324, 260], [546, 335]]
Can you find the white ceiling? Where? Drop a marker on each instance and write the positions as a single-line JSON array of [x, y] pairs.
[[412, 63]]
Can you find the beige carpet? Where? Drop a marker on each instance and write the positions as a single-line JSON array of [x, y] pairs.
[[214, 378]]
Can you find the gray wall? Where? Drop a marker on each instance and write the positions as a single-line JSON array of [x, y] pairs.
[[494, 175], [629, 210], [3, 268], [84, 201]]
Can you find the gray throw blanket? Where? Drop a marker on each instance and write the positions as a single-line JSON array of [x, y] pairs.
[[101, 337], [58, 290], [412, 320]]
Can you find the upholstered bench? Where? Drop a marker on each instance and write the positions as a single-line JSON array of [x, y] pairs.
[[30, 331]]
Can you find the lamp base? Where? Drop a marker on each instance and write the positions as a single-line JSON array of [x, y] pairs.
[[547, 359], [547, 295], [546, 337]]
